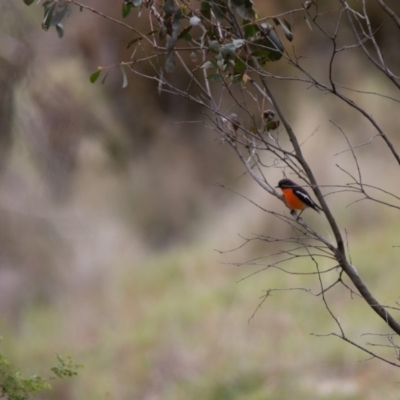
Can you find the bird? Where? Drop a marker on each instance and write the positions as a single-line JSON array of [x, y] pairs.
[[296, 198]]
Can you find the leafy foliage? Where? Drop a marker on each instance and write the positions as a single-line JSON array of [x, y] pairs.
[[54, 13], [93, 78], [14, 386], [230, 46], [66, 367], [128, 5]]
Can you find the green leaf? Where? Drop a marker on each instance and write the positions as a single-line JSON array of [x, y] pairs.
[[54, 13], [60, 30], [240, 66], [62, 11], [205, 9], [246, 12], [126, 9], [264, 56], [193, 56], [208, 65], [214, 46], [308, 22], [66, 367], [276, 42], [185, 34], [29, 2], [272, 125], [124, 77], [287, 30], [235, 79], [93, 78], [215, 78], [238, 43], [285, 27], [221, 64], [48, 15], [244, 8], [267, 45], [104, 78], [127, 6], [228, 50], [249, 29], [287, 24], [219, 8], [133, 41]]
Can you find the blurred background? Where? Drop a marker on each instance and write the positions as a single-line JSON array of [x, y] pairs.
[[111, 215]]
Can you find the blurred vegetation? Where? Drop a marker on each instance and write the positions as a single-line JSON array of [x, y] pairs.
[[109, 215], [14, 387]]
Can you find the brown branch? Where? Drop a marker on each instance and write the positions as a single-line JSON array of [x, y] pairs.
[[390, 12], [338, 251]]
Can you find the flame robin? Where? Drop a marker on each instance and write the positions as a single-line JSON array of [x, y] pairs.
[[296, 198]]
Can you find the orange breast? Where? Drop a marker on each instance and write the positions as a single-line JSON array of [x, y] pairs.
[[292, 201]]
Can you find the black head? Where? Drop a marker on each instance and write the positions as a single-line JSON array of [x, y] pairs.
[[285, 183]]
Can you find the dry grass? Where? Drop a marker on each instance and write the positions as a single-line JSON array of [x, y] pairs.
[[176, 326]]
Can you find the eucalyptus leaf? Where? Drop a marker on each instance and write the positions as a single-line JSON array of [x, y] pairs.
[[250, 29], [228, 50], [60, 30], [133, 41], [48, 15], [205, 9], [126, 9], [208, 65], [237, 43], [185, 34], [308, 23], [104, 78], [62, 11], [54, 13], [239, 66], [215, 78], [246, 12], [124, 77], [285, 27], [214, 46], [93, 78], [276, 42], [219, 8], [193, 56]]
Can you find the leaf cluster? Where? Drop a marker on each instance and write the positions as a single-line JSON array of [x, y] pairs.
[[14, 386], [230, 46]]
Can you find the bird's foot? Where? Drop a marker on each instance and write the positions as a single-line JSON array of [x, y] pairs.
[[295, 215]]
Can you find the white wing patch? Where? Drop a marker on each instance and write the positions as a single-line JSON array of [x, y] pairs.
[[304, 197]]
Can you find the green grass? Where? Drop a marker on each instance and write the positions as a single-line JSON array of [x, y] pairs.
[[176, 326]]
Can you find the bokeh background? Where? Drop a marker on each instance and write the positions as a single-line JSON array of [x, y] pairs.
[[111, 214]]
